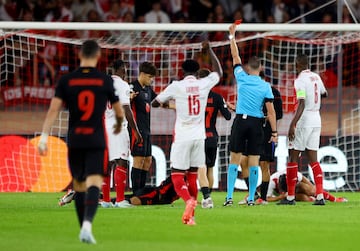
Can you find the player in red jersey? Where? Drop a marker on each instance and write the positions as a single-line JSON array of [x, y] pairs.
[[85, 92], [140, 104], [187, 150]]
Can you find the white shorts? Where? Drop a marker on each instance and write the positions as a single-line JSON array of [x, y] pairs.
[[186, 154], [118, 144], [306, 138]]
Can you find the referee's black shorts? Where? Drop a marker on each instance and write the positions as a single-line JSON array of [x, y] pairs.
[[85, 162], [247, 135]]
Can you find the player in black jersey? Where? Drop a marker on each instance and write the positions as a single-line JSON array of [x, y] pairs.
[[85, 92], [140, 105], [215, 103], [150, 195], [268, 154]]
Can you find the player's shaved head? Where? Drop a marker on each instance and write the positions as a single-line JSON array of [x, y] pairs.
[[118, 64], [119, 68], [90, 49], [302, 60], [190, 66]]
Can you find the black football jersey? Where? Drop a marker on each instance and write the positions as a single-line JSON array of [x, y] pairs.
[[85, 93]]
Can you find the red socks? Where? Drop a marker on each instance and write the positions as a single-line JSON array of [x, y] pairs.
[[120, 182], [318, 177], [328, 196], [180, 186], [191, 179], [106, 189], [291, 177]]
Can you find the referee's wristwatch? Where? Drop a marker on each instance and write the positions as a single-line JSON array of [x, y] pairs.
[[274, 133]]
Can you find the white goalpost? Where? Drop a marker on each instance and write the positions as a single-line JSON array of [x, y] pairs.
[[35, 54]]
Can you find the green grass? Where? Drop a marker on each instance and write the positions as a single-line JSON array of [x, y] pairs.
[[34, 221]]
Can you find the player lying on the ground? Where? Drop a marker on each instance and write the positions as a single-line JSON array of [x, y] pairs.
[[304, 190], [149, 195]]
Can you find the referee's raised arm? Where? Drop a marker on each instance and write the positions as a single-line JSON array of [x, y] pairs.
[[233, 46]]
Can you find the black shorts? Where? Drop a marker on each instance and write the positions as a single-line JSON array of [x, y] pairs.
[[85, 162], [247, 135], [143, 149], [268, 153], [210, 151]]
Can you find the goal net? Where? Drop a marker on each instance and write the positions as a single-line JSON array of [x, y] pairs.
[[33, 58]]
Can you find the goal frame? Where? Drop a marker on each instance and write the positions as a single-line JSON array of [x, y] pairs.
[[258, 27], [259, 31]]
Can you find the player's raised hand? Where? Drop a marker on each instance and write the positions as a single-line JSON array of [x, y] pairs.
[[232, 29], [205, 45]]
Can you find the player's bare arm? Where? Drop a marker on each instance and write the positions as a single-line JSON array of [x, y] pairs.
[[276, 198], [119, 115], [130, 118], [233, 46], [53, 112], [271, 117], [214, 59], [299, 112]]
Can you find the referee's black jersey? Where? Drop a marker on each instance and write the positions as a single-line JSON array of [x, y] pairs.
[[214, 104], [141, 106], [85, 93]]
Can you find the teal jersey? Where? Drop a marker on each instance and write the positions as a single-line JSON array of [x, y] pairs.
[[252, 93]]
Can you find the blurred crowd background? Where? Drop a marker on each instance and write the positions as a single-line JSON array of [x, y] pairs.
[[168, 11], [54, 59]]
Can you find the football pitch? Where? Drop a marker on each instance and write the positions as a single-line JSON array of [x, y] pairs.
[[34, 221]]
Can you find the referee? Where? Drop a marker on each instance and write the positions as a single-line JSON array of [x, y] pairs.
[[247, 132]]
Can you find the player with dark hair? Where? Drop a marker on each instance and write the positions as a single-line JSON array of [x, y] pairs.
[[246, 132], [119, 144], [85, 92], [304, 189], [187, 150], [305, 129], [140, 104], [215, 103]]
